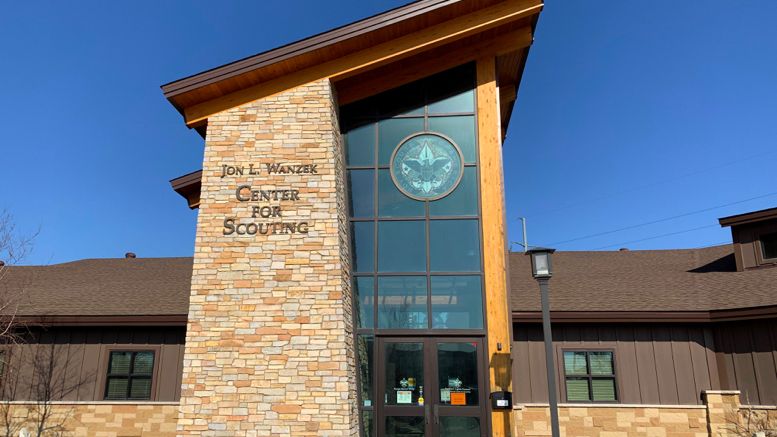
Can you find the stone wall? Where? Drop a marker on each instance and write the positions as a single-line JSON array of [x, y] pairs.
[[721, 416], [269, 341], [727, 417], [102, 419], [614, 421]]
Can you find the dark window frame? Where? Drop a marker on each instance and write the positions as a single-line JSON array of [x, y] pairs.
[[762, 252], [133, 348], [588, 376]]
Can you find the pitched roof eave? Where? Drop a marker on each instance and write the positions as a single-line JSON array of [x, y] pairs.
[[343, 52]]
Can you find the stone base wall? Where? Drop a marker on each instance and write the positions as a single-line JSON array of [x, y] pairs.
[[93, 420], [613, 421], [721, 416]]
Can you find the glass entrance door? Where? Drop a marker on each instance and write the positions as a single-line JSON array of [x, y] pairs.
[[430, 387]]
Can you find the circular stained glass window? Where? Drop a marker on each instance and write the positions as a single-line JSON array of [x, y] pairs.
[[427, 166]]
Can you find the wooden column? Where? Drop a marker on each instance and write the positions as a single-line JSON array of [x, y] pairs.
[[494, 239]]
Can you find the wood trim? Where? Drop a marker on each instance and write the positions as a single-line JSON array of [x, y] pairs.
[[494, 239], [373, 57], [438, 60], [726, 315]]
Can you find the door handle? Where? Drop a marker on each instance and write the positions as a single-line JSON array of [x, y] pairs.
[[436, 414]]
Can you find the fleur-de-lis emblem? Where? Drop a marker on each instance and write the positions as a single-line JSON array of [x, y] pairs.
[[426, 166]]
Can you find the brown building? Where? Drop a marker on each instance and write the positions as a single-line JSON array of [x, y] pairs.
[[350, 275], [643, 340]]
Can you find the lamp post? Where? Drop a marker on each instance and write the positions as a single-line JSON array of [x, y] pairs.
[[542, 270]]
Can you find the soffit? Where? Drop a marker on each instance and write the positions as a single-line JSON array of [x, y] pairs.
[[343, 52]]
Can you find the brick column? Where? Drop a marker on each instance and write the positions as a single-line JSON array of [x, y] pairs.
[[722, 411], [269, 345]]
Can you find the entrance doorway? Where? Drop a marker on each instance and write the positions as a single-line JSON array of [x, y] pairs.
[[431, 387]]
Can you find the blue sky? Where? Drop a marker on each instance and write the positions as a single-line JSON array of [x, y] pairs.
[[626, 115]]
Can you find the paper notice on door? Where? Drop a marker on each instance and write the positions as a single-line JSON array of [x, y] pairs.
[[445, 395], [404, 397], [458, 398]]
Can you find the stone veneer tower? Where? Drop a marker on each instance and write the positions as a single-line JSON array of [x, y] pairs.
[[269, 340]]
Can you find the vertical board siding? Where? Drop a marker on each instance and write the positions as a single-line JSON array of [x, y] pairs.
[[91, 364], [683, 366], [76, 358], [744, 366], [521, 383], [746, 355], [537, 372], [701, 369], [654, 364], [667, 379], [70, 362], [627, 361], [647, 375]]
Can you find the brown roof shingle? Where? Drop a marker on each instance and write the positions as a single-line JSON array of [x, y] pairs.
[[645, 280], [652, 280], [101, 287]]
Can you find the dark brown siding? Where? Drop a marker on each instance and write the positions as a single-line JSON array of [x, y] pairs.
[[70, 362], [654, 364], [747, 357], [747, 240]]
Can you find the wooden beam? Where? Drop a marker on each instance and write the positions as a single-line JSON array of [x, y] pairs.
[[440, 59], [494, 240], [375, 56]]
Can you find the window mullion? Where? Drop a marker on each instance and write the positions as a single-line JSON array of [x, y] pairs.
[[590, 389]]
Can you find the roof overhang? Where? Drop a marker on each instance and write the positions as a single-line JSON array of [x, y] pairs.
[[101, 320], [750, 217], [723, 315], [373, 55], [188, 186]]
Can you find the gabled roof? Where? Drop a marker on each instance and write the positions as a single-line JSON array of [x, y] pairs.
[[426, 30]]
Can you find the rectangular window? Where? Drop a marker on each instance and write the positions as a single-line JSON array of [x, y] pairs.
[[769, 246], [589, 376], [129, 375]]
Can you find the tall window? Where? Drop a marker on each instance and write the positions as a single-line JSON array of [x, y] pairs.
[[412, 163], [129, 375], [590, 376], [413, 183]]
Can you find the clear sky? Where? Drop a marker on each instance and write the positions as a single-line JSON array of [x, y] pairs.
[[629, 112]]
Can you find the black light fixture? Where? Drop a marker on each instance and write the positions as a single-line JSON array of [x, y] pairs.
[[541, 265], [542, 270]]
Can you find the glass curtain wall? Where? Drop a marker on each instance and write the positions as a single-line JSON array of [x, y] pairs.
[[411, 156]]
